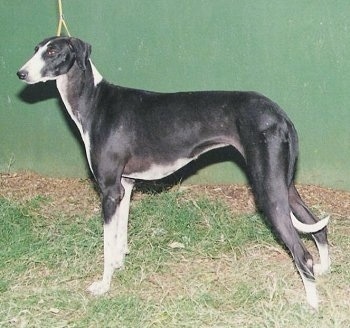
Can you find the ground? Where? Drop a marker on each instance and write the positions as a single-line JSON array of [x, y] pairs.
[[201, 267], [79, 196]]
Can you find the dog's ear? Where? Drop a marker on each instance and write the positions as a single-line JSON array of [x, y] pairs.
[[82, 51]]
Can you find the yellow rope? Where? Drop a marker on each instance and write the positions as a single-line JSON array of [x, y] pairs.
[[61, 20]]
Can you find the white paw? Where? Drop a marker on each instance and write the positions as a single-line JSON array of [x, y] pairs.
[[313, 302], [98, 288], [119, 265], [320, 269], [311, 293]]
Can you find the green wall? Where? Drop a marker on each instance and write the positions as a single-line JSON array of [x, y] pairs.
[[295, 52]]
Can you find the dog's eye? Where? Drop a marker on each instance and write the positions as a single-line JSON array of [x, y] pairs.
[[50, 51]]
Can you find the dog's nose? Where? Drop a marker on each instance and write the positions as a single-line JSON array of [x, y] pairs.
[[22, 74]]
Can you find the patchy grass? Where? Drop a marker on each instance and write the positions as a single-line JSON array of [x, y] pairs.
[[192, 264]]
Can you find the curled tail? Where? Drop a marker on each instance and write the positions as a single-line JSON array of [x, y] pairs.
[[309, 228], [308, 223]]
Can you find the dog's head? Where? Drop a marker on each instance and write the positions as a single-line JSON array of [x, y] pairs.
[[53, 57]]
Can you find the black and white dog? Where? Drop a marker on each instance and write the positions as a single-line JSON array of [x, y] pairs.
[[135, 134]]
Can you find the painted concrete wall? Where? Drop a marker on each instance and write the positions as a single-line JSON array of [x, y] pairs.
[[295, 52]]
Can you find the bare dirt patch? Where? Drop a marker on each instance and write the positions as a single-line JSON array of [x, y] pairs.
[[79, 196], [69, 196], [323, 200]]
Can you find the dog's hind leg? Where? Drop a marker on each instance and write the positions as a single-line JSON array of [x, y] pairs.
[[276, 209], [273, 201], [269, 172], [115, 232], [305, 215]]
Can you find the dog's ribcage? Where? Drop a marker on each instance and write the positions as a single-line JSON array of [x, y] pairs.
[[156, 170]]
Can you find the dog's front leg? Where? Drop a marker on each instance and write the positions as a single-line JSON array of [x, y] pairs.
[[115, 240]]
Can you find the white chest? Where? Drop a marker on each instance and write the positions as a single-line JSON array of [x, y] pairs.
[[61, 86]]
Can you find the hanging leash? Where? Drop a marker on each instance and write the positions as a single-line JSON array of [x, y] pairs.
[[61, 20]]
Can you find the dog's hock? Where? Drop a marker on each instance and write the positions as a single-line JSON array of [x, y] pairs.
[[309, 228]]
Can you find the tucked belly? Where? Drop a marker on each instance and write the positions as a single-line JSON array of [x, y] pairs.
[[157, 171]]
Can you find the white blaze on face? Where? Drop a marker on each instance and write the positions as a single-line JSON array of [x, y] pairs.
[[34, 67]]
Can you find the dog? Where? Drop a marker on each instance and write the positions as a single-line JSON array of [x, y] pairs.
[[132, 134]]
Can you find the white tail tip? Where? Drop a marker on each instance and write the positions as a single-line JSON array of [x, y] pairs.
[[308, 228]]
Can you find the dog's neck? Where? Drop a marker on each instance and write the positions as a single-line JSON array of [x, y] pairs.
[[77, 87]]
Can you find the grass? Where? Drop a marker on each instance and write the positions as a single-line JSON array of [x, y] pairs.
[[191, 265]]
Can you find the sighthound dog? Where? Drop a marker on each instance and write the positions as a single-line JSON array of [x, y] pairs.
[[135, 134]]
